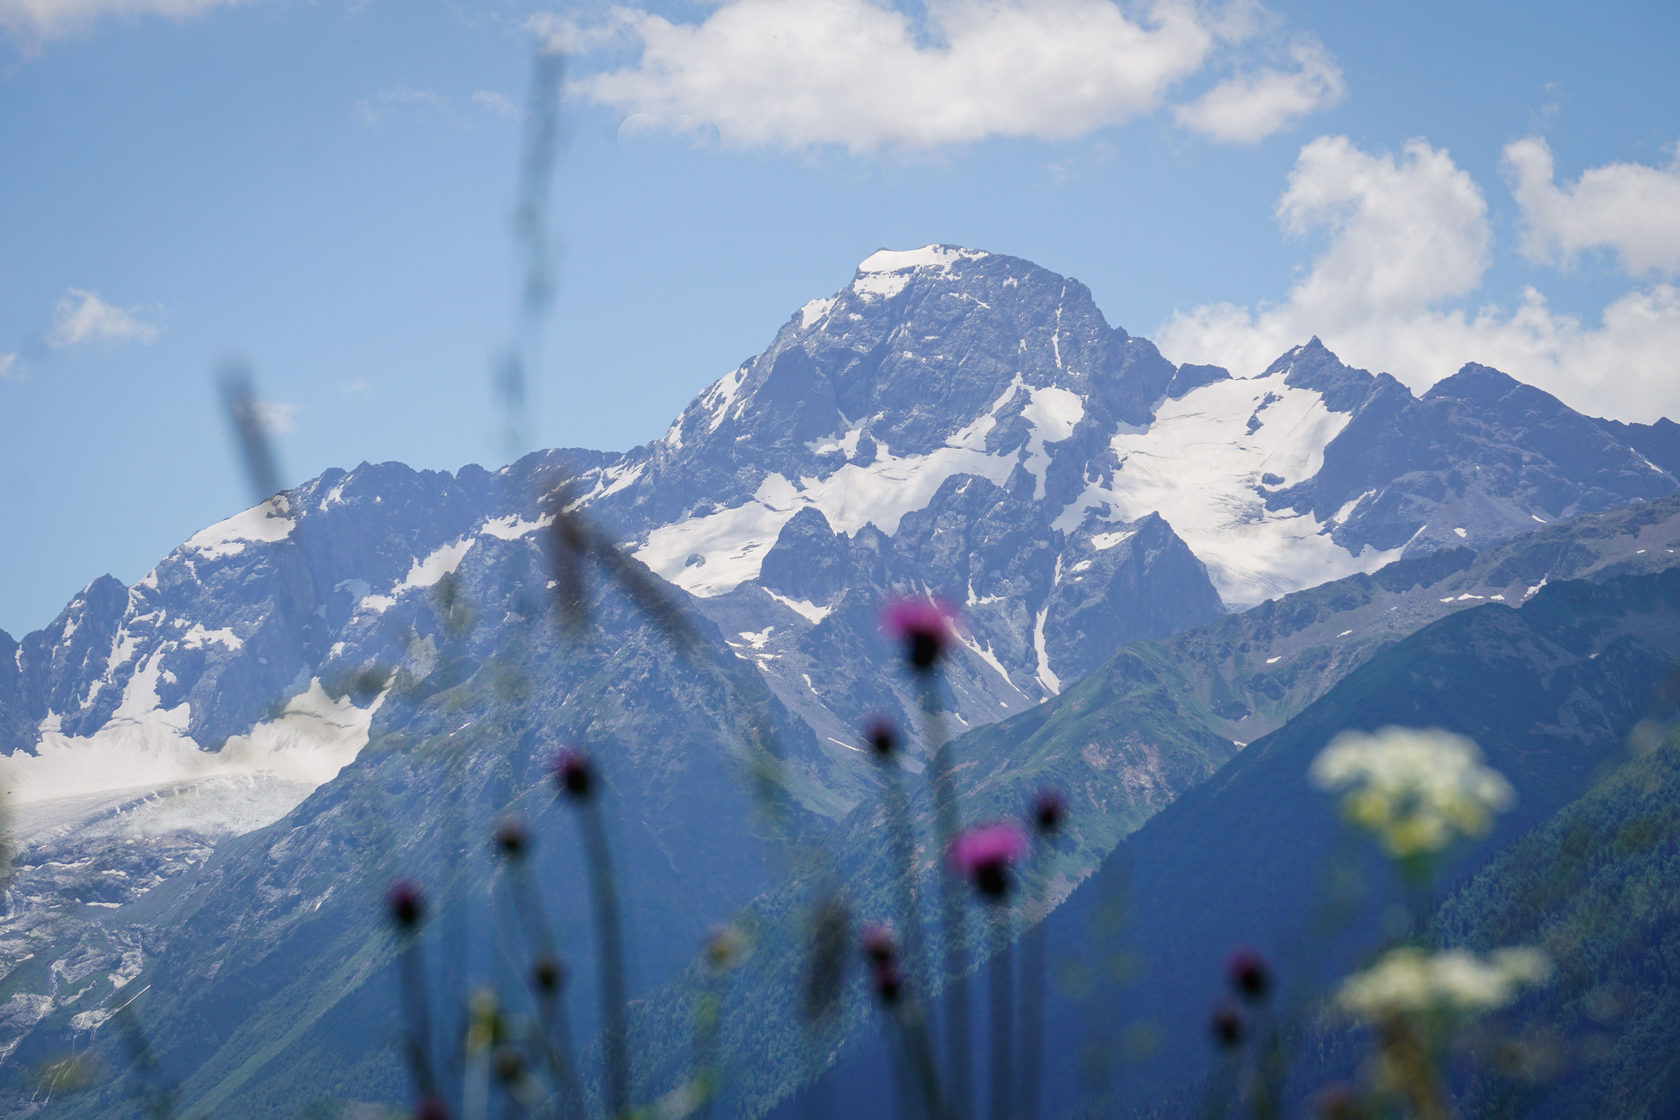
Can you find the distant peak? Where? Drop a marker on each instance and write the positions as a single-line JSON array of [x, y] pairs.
[[941, 257], [886, 272], [1313, 350], [1474, 381]]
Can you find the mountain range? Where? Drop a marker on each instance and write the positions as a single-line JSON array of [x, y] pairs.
[[212, 773]]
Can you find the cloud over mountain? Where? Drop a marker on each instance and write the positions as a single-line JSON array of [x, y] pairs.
[[1409, 242], [866, 76], [1628, 207]]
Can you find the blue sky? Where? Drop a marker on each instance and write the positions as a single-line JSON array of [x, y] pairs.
[[324, 190]]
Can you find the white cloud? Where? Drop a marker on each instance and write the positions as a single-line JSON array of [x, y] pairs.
[[356, 388], [1409, 237], [50, 19], [82, 316], [1628, 207], [566, 36], [11, 367], [1404, 232], [1250, 107], [859, 74], [495, 104], [373, 111]]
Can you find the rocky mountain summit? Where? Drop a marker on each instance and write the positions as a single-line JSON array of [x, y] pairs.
[[951, 424]]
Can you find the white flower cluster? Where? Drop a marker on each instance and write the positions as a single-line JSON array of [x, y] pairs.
[[1410, 981], [1415, 790]]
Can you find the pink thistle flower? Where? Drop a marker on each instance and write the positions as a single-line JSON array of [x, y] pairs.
[[925, 629], [985, 853]]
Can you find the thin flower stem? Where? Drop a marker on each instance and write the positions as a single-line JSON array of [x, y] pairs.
[[903, 855], [914, 1031], [551, 1012], [1003, 1013], [609, 939], [953, 918], [557, 1052], [707, 1027], [1033, 981], [415, 1004]]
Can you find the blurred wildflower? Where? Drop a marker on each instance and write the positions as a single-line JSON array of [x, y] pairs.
[[922, 627], [486, 1026], [548, 974], [573, 774], [508, 1064], [1415, 790], [510, 838], [1227, 1025], [430, 1108], [405, 904], [881, 951], [985, 853], [724, 946], [1049, 809], [877, 944], [1338, 1102], [1408, 981], [882, 737], [1248, 974], [888, 982]]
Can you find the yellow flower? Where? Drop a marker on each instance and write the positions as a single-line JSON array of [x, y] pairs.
[[1414, 790]]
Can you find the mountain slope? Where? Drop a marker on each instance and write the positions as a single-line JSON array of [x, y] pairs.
[[1155, 721], [951, 423], [273, 952], [1593, 888], [1550, 691]]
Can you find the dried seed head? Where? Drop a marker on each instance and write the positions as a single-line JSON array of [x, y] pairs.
[[1248, 974], [1049, 810], [882, 736], [878, 945], [889, 982], [430, 1108], [1338, 1102], [508, 1064], [724, 946], [1227, 1026], [573, 774], [548, 974], [405, 904], [511, 839]]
